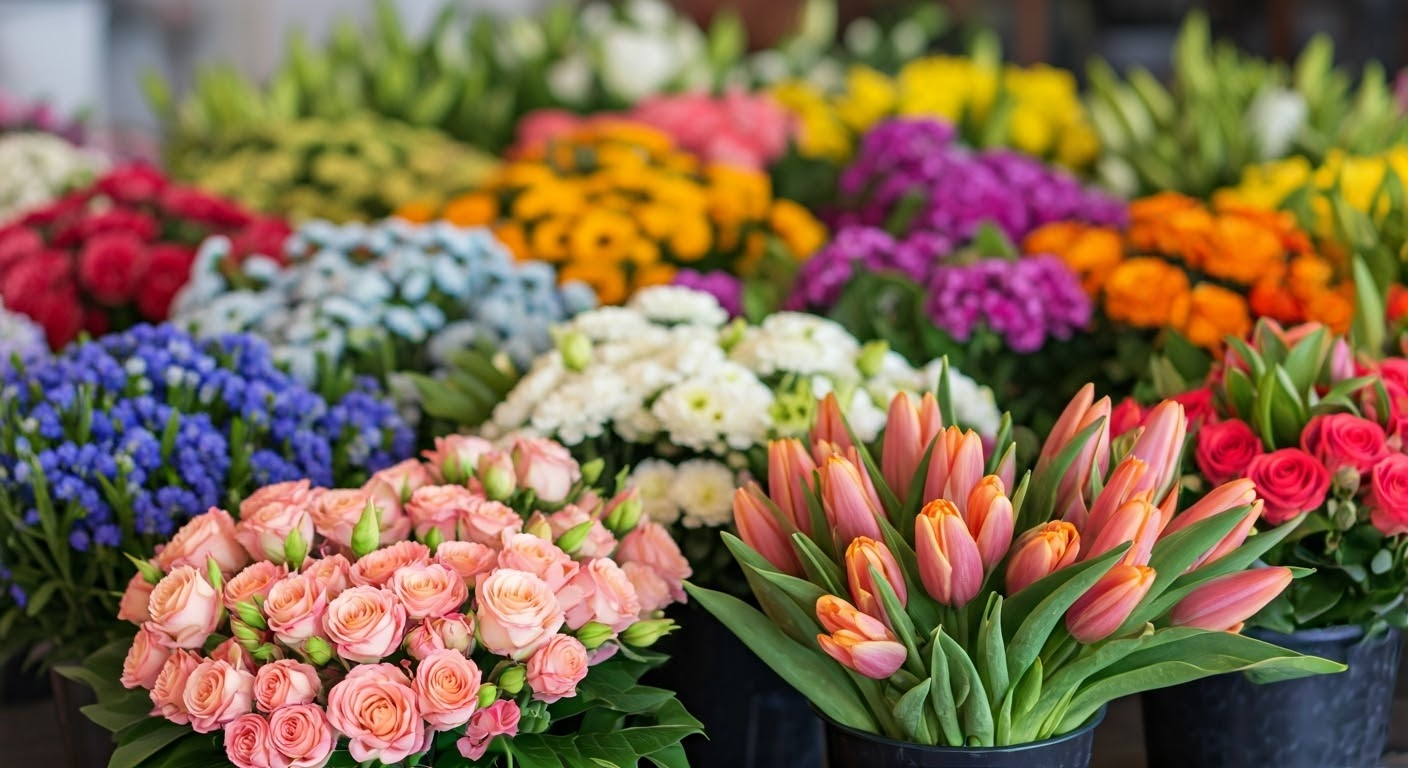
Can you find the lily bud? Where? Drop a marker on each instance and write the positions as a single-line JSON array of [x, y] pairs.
[[949, 562], [295, 548], [790, 470], [830, 426], [990, 519], [495, 473], [1106, 606], [1222, 604], [1135, 521], [760, 529], [623, 512], [366, 534], [576, 350], [593, 634], [858, 641], [511, 680], [850, 508], [488, 694], [643, 634], [1041, 552], [318, 650], [861, 555]]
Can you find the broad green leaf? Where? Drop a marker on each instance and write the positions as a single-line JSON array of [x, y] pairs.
[[147, 740], [899, 620], [975, 711], [818, 566], [942, 696], [910, 713], [992, 651], [1173, 555], [1304, 361], [1036, 610]]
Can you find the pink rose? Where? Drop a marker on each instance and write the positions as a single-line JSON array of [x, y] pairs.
[[440, 506], [455, 456], [498, 719], [247, 743], [599, 541], [299, 493], [234, 654], [135, 598], [447, 689], [422, 641], [375, 707], [295, 608], [556, 668], [333, 573], [517, 613], [256, 580], [209, 535], [545, 467], [429, 590], [145, 660], [338, 512], [1344, 440], [653, 592], [377, 568], [454, 632], [284, 683], [1388, 494], [265, 529], [1225, 449], [486, 523], [650, 544], [302, 736], [216, 694], [185, 609], [365, 624], [1290, 481], [170, 686], [403, 478], [467, 558], [542, 558], [606, 596]]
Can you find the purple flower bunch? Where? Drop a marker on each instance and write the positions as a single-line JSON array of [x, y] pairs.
[[1025, 301], [725, 287]]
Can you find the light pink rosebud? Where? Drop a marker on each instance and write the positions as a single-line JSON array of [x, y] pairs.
[[365, 624], [403, 478], [184, 608], [267, 520], [247, 743], [217, 693], [526, 552], [170, 686], [499, 719], [545, 467], [555, 669], [599, 541], [302, 736], [447, 689], [254, 581], [375, 708], [284, 683], [651, 545], [467, 558], [607, 596], [294, 609], [486, 523], [145, 660], [517, 612], [379, 566], [428, 590], [211, 535], [455, 456], [440, 507]]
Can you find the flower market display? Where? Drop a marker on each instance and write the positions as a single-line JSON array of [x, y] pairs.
[[35, 168], [487, 607], [916, 597], [390, 299], [115, 252], [111, 445], [619, 207], [341, 170]]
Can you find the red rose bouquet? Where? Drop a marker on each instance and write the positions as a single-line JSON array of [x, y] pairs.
[[115, 253]]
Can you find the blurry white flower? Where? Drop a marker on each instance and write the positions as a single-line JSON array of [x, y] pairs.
[[570, 79], [675, 305], [703, 489], [1276, 116], [637, 64], [36, 168], [654, 478]]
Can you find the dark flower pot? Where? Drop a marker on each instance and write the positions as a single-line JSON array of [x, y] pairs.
[[86, 744], [753, 719], [849, 748], [1227, 721]]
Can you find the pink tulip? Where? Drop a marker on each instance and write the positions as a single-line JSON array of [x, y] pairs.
[[1160, 444], [850, 508], [790, 470], [949, 562], [860, 556], [902, 449], [857, 640], [990, 520], [1096, 614], [1238, 493], [1007, 468], [955, 467], [760, 529], [1136, 521], [1119, 488], [1223, 603], [830, 426], [1082, 411], [1041, 552], [931, 421]]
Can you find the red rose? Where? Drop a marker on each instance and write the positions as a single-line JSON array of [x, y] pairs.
[[1225, 449], [18, 243], [111, 265], [68, 207], [1344, 440], [1388, 494], [1290, 481], [199, 207], [1197, 405], [1126, 416], [167, 272], [135, 223], [132, 184]]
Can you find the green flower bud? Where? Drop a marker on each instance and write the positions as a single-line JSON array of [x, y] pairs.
[[538, 526], [150, 573], [318, 650], [511, 680], [732, 333], [245, 635], [497, 477], [213, 574], [576, 350], [872, 357], [433, 539], [265, 653], [571, 541], [594, 634], [623, 513], [366, 535], [643, 634], [295, 548], [591, 471], [250, 615], [488, 693]]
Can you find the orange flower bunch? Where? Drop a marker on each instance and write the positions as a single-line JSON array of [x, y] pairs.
[[618, 206], [1207, 272]]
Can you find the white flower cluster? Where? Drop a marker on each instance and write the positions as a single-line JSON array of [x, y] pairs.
[[35, 168], [435, 287], [668, 372]]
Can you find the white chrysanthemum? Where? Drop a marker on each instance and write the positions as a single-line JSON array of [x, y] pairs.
[[703, 489], [583, 408], [517, 408], [676, 305], [636, 64], [865, 416], [690, 413], [654, 478], [797, 343], [975, 405], [609, 323], [36, 168], [691, 353]]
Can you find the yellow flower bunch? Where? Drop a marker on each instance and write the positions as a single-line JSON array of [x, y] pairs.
[[1036, 110], [616, 205]]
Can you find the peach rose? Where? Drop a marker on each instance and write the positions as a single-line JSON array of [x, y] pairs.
[[542, 558], [440, 507], [302, 736], [456, 631], [429, 590], [170, 685], [556, 668], [247, 743], [650, 544], [404, 478], [145, 660], [209, 535], [607, 596], [338, 511], [447, 689], [294, 609], [394, 523], [257, 579], [185, 609], [217, 693], [284, 683], [333, 573], [234, 653], [375, 707], [299, 493], [599, 541], [652, 590], [455, 456], [545, 467], [263, 531], [467, 558], [376, 568], [365, 624], [486, 523], [498, 719], [517, 613], [422, 641], [135, 598]]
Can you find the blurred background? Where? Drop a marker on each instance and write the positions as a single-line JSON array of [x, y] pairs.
[[91, 54]]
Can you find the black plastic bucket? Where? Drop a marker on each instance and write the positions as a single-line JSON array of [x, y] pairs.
[[849, 748], [1323, 721]]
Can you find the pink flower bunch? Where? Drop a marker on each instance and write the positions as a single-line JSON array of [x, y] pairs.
[[748, 130], [456, 594]]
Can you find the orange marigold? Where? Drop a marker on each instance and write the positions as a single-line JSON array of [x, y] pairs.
[[1147, 293], [1245, 251], [1215, 313]]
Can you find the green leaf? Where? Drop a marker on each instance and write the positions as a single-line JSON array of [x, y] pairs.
[[148, 739], [942, 698], [910, 713], [1172, 555], [1036, 610], [1305, 359], [820, 568], [1042, 499], [1368, 329], [975, 710], [992, 651]]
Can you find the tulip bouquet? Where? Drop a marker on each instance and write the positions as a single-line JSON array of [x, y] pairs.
[[112, 444], [666, 386], [115, 252], [897, 598], [35, 168], [485, 607]]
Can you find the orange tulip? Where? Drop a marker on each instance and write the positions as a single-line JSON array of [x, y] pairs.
[[860, 556], [760, 529], [1040, 552], [857, 640], [955, 467], [990, 520], [1136, 521], [1119, 488], [1223, 603], [1096, 614], [949, 562]]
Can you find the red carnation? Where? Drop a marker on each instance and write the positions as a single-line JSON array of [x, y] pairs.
[[17, 243], [196, 206], [132, 184], [167, 272], [143, 226], [264, 237], [66, 208], [42, 287], [111, 265]]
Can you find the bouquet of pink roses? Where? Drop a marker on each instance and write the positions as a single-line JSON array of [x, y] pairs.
[[487, 603]]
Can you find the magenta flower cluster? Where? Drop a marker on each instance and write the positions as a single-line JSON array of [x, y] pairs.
[[1026, 301]]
